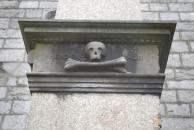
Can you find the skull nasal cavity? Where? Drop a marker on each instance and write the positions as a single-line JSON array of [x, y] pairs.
[[95, 53]]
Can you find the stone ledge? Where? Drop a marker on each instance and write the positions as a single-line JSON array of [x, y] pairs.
[[96, 83]]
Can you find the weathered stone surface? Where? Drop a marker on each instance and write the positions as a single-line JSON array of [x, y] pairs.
[[181, 7], [17, 69], [21, 107], [14, 43], [182, 74], [4, 22], [14, 13], [5, 107], [3, 92], [192, 45], [158, 7], [8, 4], [192, 109], [168, 96], [162, 110], [169, 73], [28, 4], [188, 60], [92, 111], [185, 84], [177, 124], [185, 26], [34, 13], [173, 60], [98, 10], [47, 4], [150, 16], [169, 16], [13, 122], [179, 46], [187, 16], [187, 35], [12, 81], [186, 95], [178, 110]]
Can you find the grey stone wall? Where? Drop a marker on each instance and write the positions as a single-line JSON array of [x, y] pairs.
[[177, 100], [14, 92]]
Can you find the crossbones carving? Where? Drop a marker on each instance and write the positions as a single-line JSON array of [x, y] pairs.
[[95, 53]]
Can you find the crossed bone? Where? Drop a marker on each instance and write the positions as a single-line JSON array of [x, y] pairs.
[[116, 65]]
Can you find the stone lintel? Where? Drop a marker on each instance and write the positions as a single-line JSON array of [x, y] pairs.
[[96, 83], [77, 31]]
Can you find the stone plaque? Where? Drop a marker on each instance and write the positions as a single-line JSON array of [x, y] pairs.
[[52, 57]]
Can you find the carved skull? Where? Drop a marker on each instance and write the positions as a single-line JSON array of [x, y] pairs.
[[95, 51]]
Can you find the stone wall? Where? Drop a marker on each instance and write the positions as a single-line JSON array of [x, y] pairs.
[[177, 100]]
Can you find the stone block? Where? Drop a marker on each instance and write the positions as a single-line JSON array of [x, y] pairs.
[[93, 111], [13, 13], [14, 23], [177, 124], [150, 15], [176, 36], [14, 33], [181, 7], [187, 35], [173, 60], [22, 81], [11, 55], [187, 16], [8, 4], [17, 69], [186, 95], [4, 22], [192, 45], [158, 7], [1, 43], [184, 84], [11, 81], [28, 4], [192, 109], [188, 60], [14, 43], [3, 33], [47, 4], [21, 107], [162, 110], [184, 74], [169, 73], [34, 13], [5, 107], [185, 26], [144, 7], [181, 110], [169, 16], [168, 96], [3, 92], [167, 1], [13, 122], [3, 77], [179, 46]]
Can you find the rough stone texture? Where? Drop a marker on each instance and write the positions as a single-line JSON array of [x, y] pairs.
[[92, 111], [14, 122], [178, 110], [178, 97], [99, 10]]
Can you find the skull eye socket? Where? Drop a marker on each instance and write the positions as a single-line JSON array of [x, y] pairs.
[[100, 49], [90, 50]]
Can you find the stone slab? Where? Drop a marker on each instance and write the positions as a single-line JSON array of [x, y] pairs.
[[99, 10], [92, 112], [52, 57]]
